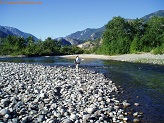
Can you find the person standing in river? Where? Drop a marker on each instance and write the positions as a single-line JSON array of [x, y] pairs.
[[77, 62]]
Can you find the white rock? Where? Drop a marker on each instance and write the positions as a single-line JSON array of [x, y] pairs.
[[135, 120], [3, 111], [90, 110], [125, 118], [42, 95], [135, 114], [136, 104], [73, 116]]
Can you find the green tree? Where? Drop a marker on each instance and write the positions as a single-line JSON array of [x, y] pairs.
[[137, 27], [51, 47], [31, 47], [134, 45], [154, 34], [39, 47], [116, 37]]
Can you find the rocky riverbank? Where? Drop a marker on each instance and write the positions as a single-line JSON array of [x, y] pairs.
[[36, 93], [139, 58]]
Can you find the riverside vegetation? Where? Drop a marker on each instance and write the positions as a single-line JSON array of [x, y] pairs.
[[120, 37], [29, 47]]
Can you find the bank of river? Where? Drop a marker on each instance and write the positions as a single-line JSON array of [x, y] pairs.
[[142, 83], [135, 58], [37, 93]]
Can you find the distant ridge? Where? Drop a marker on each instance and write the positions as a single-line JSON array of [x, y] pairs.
[[92, 34], [87, 34], [157, 13], [6, 31], [74, 38]]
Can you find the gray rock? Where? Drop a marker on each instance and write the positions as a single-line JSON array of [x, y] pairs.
[[41, 118], [24, 119], [91, 110], [135, 114], [125, 103], [85, 118], [136, 104], [14, 120], [5, 102], [19, 104], [6, 116], [42, 95], [67, 121], [4, 112], [73, 117], [136, 120]]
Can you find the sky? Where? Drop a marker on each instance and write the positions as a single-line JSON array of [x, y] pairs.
[[59, 18]]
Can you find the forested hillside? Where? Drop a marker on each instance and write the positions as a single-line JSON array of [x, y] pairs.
[[121, 36]]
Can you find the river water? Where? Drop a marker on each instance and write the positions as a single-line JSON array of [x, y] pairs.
[[141, 83]]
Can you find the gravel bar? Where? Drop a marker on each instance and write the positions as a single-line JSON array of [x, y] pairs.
[[35, 93]]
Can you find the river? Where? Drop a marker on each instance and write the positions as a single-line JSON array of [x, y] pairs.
[[141, 83]]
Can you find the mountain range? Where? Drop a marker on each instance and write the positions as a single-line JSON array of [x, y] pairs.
[[5, 31], [74, 38]]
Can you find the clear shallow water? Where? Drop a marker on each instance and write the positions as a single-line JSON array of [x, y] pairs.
[[142, 83]]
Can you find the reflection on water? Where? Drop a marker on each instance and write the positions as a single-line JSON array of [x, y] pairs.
[[142, 83]]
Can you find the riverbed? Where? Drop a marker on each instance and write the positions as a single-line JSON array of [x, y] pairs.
[[142, 83]]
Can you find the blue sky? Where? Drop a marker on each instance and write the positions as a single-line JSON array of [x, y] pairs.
[[58, 18]]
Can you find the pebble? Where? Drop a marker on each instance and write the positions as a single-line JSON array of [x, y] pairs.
[[125, 103], [135, 114], [136, 104], [67, 121], [4, 112], [5, 102], [38, 93], [73, 117], [40, 118], [125, 119], [90, 110], [136, 120]]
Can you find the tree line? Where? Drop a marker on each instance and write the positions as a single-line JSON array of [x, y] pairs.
[[13, 45], [122, 36]]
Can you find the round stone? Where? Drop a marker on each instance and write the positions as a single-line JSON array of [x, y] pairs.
[[73, 116], [136, 120], [125, 118], [4, 112], [90, 110], [135, 114], [136, 104], [67, 121]]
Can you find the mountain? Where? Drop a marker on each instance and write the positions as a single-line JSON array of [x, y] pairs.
[[92, 34], [84, 35], [157, 13], [64, 41], [3, 34], [87, 34], [5, 31], [74, 41]]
